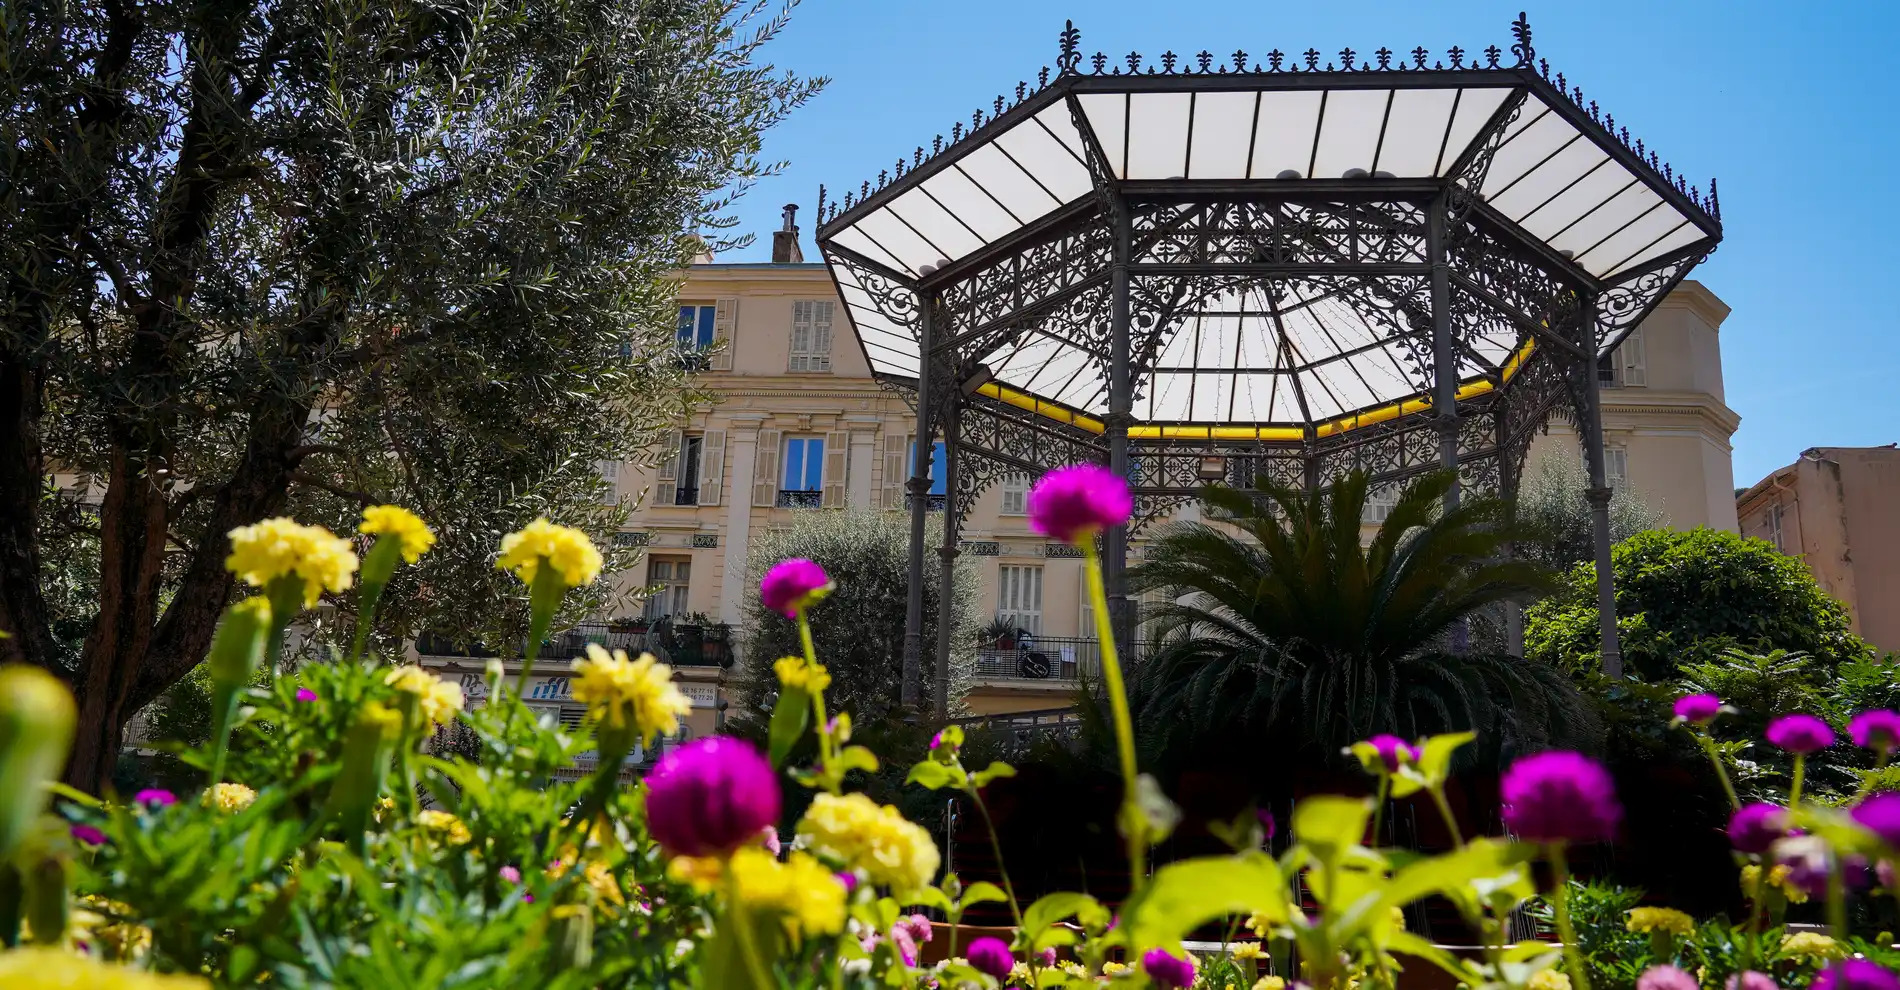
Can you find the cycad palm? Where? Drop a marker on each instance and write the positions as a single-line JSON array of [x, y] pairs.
[[1291, 628]]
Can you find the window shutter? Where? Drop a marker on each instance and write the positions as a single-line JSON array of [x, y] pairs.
[[895, 470], [837, 450], [801, 336], [725, 314], [1634, 359], [609, 473], [820, 359], [765, 469], [669, 470], [712, 466]]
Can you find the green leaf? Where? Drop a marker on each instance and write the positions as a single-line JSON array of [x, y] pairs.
[[1054, 936], [790, 717], [1051, 908], [856, 758], [1406, 943], [1183, 896], [982, 891], [955, 973], [1329, 824], [929, 897], [934, 775], [1433, 766], [995, 770]]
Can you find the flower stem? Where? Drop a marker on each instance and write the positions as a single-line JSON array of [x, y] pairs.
[[1378, 808], [1118, 706], [365, 617], [1794, 789], [1444, 811], [1560, 907], [1837, 895], [223, 713], [1750, 947], [742, 930], [1721, 770]]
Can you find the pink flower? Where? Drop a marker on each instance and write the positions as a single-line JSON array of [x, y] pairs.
[[1755, 827], [1800, 734], [1166, 970], [1880, 815], [155, 797], [1072, 504], [794, 585], [1665, 978], [906, 945], [990, 956], [768, 839], [509, 874], [1751, 980], [1393, 751], [1878, 729], [1048, 956], [710, 796], [1698, 709], [89, 835], [850, 882], [305, 694], [1268, 827], [918, 926], [1559, 797], [527, 898], [1855, 974]]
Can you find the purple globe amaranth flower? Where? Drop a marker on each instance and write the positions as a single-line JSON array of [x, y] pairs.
[[793, 585], [1048, 956], [1755, 827], [305, 694], [1876, 729], [1855, 974], [849, 881], [1806, 857], [1880, 815], [1665, 978], [155, 797], [509, 873], [1268, 826], [990, 956], [1698, 709], [711, 796], [1072, 504], [1393, 751], [1559, 796], [769, 841], [1751, 980], [1167, 970], [1800, 734], [89, 835]]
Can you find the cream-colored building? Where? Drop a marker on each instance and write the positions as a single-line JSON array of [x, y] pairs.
[[797, 424], [1838, 509]]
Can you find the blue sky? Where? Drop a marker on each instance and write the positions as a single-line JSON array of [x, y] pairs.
[[1793, 106]]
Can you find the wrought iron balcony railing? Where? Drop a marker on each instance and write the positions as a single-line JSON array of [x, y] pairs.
[[1044, 658], [934, 505], [789, 498]]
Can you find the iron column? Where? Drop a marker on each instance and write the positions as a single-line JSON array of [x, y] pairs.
[[947, 559], [911, 695], [1599, 495], [1121, 404], [1444, 350]]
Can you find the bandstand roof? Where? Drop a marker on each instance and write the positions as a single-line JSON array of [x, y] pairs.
[[1562, 178]]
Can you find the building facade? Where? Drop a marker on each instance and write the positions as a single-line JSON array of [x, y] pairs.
[[1838, 509], [796, 424]]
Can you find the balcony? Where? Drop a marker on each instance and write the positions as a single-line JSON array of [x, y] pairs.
[[686, 496], [1043, 658], [679, 645], [799, 499], [934, 505]]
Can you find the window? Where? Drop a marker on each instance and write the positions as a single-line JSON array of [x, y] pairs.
[[610, 476], [802, 479], [1019, 596], [686, 488], [811, 334], [696, 327], [1607, 369], [1616, 465], [670, 575], [1379, 504], [1632, 361], [1773, 525], [1015, 494]]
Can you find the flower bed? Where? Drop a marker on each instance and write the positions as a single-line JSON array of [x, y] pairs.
[[311, 858]]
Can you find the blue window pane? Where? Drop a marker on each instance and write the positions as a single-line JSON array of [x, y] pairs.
[[814, 465], [686, 324], [706, 326], [794, 463], [939, 469]]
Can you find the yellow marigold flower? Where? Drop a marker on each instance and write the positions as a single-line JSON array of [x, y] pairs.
[[806, 895], [798, 675], [1018, 974], [394, 520], [58, 969], [1778, 878], [1812, 945], [384, 806], [437, 700], [1259, 924], [891, 850], [629, 693], [1655, 919], [1112, 968], [1073, 968], [443, 826], [281, 547], [1549, 979], [100, 924], [229, 798], [601, 877], [1246, 950], [567, 550], [703, 872]]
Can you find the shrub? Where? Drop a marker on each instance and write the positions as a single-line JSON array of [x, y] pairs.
[[1686, 597]]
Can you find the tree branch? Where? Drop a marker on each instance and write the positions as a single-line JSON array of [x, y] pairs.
[[309, 481]]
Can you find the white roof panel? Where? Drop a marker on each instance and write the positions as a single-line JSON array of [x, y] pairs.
[[1414, 131], [1223, 125], [1283, 133], [1349, 131]]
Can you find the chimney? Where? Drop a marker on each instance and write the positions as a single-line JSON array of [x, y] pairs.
[[785, 240]]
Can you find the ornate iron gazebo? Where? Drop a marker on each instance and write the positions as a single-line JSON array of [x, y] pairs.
[[1214, 269]]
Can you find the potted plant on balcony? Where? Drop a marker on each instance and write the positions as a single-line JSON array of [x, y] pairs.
[[1000, 635], [717, 647], [628, 625]]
